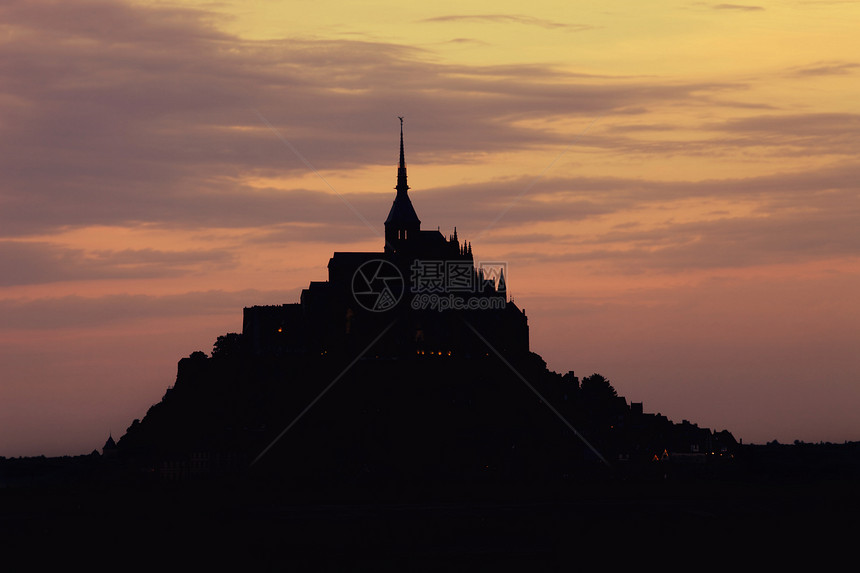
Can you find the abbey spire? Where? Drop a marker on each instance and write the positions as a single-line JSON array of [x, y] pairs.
[[401, 187], [402, 222]]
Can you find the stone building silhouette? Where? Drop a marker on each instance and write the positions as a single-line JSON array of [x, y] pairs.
[[408, 291]]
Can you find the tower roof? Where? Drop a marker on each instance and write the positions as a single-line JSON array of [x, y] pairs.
[[109, 444], [402, 212]]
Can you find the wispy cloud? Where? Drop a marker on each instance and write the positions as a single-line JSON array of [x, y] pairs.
[[798, 218], [831, 68], [151, 120], [30, 262], [740, 7], [75, 311], [508, 19]]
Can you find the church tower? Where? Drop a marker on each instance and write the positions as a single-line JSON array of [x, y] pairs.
[[402, 224]]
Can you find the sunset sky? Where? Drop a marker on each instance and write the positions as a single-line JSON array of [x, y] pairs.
[[674, 185]]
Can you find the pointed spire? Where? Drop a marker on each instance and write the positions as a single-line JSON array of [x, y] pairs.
[[402, 221], [110, 445], [455, 233], [401, 169]]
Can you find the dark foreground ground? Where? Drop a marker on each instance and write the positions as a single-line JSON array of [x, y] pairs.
[[778, 511], [208, 529]]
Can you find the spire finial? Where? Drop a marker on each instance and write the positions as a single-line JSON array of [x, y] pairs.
[[401, 169]]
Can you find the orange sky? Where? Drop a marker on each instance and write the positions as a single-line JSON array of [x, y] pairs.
[[673, 187]]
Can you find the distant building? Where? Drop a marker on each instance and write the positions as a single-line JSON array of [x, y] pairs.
[[423, 291], [110, 447]]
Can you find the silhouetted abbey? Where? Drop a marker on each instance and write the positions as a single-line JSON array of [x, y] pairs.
[[335, 316], [361, 382]]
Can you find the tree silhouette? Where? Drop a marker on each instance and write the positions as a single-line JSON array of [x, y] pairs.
[[227, 345], [596, 388]]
